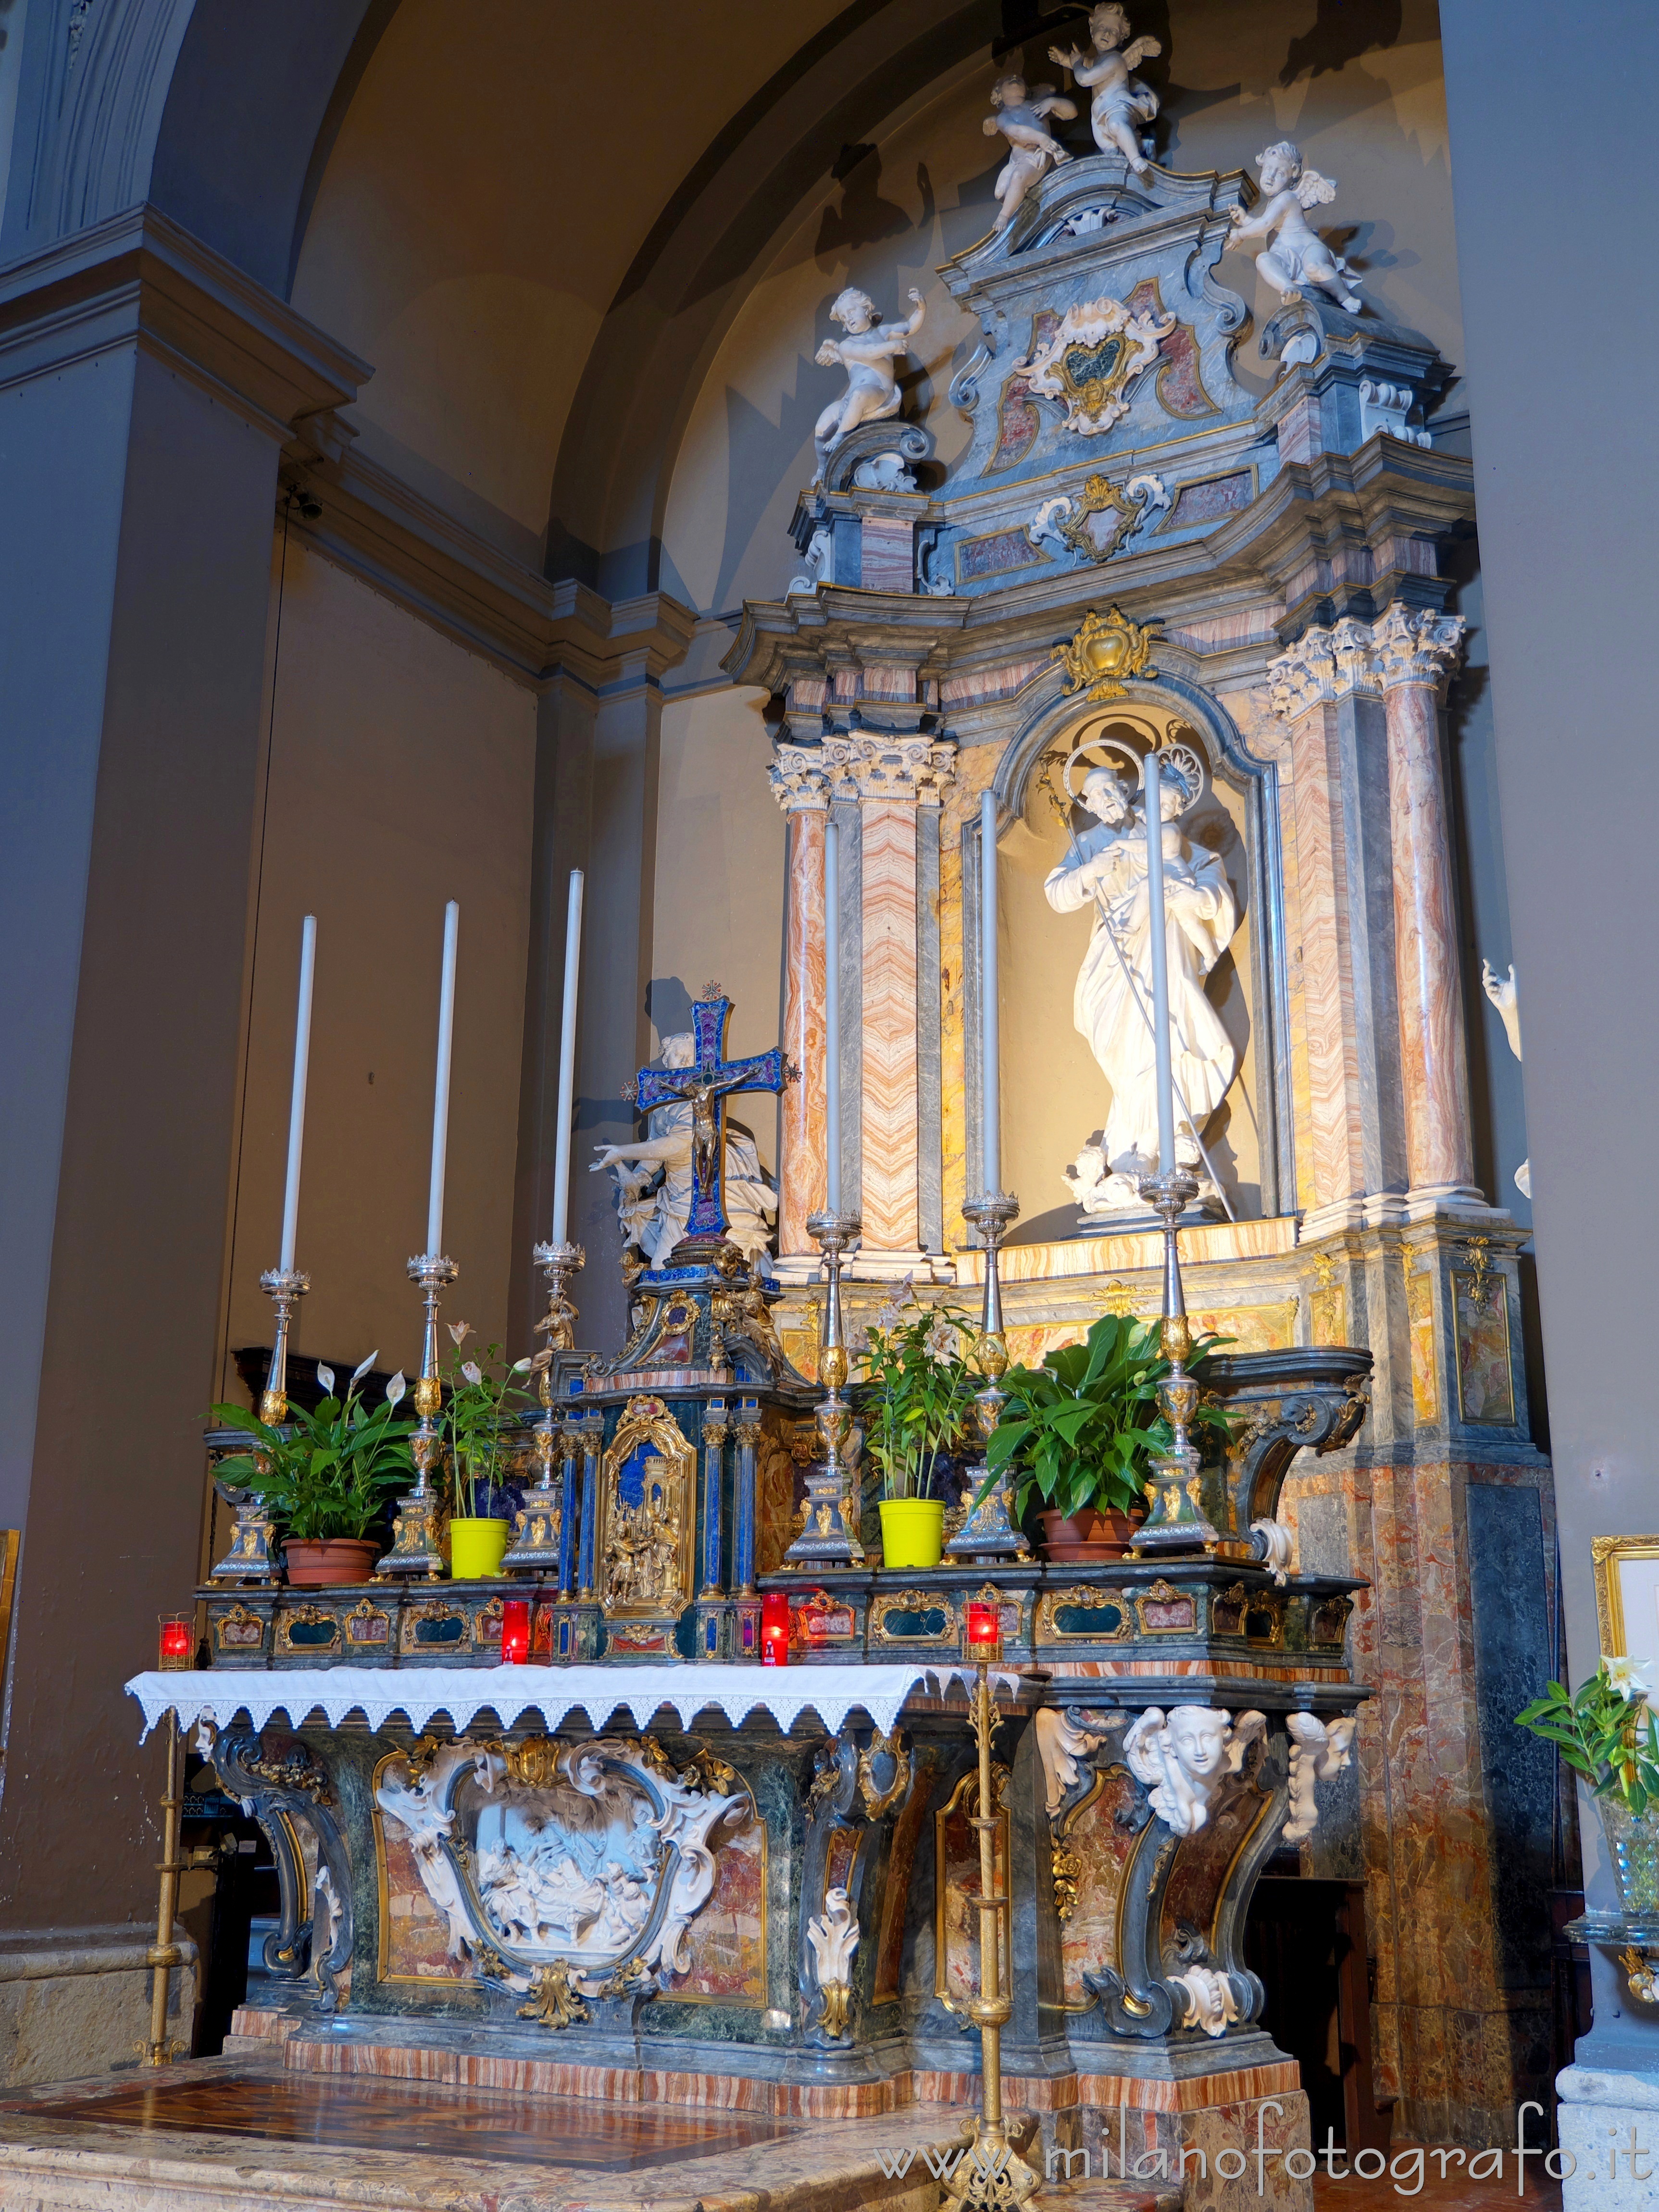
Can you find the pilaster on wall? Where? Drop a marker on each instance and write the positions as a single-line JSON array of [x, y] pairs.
[[1381, 988], [895, 781]]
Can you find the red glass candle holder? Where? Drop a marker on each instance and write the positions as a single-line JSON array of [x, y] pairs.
[[775, 1629], [982, 1634], [178, 1642], [515, 1631]]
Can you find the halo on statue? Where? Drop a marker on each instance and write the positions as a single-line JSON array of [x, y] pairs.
[[1177, 750]]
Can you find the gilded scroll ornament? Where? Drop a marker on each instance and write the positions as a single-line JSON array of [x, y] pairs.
[[553, 2001], [1105, 652]]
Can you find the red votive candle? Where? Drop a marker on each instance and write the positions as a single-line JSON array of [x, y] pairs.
[[178, 1642], [775, 1629], [515, 1631], [984, 1631]]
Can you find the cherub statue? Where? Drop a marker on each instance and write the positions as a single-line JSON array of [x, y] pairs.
[[1121, 102], [867, 353], [1020, 109], [1298, 255], [1184, 1756]]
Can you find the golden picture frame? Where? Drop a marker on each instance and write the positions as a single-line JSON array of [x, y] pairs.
[[1627, 1596]]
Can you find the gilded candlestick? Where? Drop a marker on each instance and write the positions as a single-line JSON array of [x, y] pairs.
[[987, 1533], [827, 1540], [1175, 1521], [417, 1527], [249, 1559]]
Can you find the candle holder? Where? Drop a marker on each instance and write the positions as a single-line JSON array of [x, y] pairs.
[[559, 1262], [515, 1631], [249, 1559], [987, 1534], [1176, 1522], [990, 2176], [417, 1526], [177, 1649], [826, 1540], [538, 1535], [775, 1629]]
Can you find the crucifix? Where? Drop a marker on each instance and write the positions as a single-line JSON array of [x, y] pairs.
[[705, 1086]]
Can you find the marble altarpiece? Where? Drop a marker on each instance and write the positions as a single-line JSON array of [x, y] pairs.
[[1134, 550], [1287, 557]]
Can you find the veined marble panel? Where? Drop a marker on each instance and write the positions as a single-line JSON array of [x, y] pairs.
[[800, 1175], [890, 1028], [1324, 962]]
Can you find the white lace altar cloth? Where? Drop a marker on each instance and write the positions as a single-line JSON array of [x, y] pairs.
[[217, 1694]]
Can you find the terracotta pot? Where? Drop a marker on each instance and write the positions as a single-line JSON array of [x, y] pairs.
[[1088, 1535], [333, 1560]]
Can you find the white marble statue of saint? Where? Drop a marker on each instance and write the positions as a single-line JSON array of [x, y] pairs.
[[870, 353], [1201, 914], [1121, 102], [654, 1175]]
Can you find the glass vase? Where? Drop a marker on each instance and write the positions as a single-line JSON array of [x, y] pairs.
[[1633, 1848]]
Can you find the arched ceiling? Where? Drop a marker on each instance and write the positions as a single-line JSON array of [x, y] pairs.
[[495, 177]]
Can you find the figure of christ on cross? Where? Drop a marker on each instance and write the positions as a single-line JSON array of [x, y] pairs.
[[705, 1086]]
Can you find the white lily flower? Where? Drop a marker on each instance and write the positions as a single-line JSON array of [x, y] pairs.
[[325, 1377], [458, 1331], [1628, 1677], [358, 1372], [472, 1371], [395, 1389], [523, 1366]]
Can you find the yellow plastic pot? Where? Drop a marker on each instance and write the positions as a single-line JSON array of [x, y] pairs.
[[912, 1531], [476, 1549]]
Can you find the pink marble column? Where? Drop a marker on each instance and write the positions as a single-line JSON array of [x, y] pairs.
[[802, 789], [1415, 652], [890, 1012]]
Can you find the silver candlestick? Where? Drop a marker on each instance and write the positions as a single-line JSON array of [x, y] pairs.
[[538, 1525], [987, 1534], [418, 1525], [249, 1557], [1175, 1521], [826, 1540]]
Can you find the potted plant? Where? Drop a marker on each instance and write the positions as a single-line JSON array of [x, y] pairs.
[[917, 1397], [1078, 1432], [1606, 1732], [479, 1390], [324, 1476]]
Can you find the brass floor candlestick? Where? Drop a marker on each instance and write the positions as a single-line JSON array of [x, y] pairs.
[[991, 2175], [987, 1534], [249, 1559], [1175, 1521], [417, 1526], [826, 1540], [164, 1954]]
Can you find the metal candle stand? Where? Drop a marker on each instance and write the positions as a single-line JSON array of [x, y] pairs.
[[1176, 1522], [538, 1533], [417, 1527], [991, 2175], [249, 1559], [826, 1540], [987, 1534]]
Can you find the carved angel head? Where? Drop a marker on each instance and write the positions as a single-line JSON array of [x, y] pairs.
[[1198, 1737], [1009, 91], [855, 310], [1281, 165], [1108, 27]]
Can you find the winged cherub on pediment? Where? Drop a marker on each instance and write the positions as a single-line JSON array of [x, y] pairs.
[[1298, 255], [1020, 118], [1122, 103]]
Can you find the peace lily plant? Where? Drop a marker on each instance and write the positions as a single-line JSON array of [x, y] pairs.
[[1607, 1733], [324, 1475]]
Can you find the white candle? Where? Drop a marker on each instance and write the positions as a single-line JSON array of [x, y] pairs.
[[434, 1209], [1160, 952], [296, 1108], [832, 1013], [990, 1117], [573, 946]]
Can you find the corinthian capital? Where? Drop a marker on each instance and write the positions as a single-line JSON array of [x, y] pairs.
[[1414, 644], [909, 766], [1324, 666], [799, 779]]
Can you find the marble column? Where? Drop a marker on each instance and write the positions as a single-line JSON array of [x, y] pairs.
[[801, 787], [895, 776], [1415, 652]]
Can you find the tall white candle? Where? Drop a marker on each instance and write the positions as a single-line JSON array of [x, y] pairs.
[[296, 1108], [573, 947], [990, 1119], [1160, 952], [832, 1013], [435, 1208]]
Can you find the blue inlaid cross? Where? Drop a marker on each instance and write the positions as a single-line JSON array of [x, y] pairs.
[[705, 1086]]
